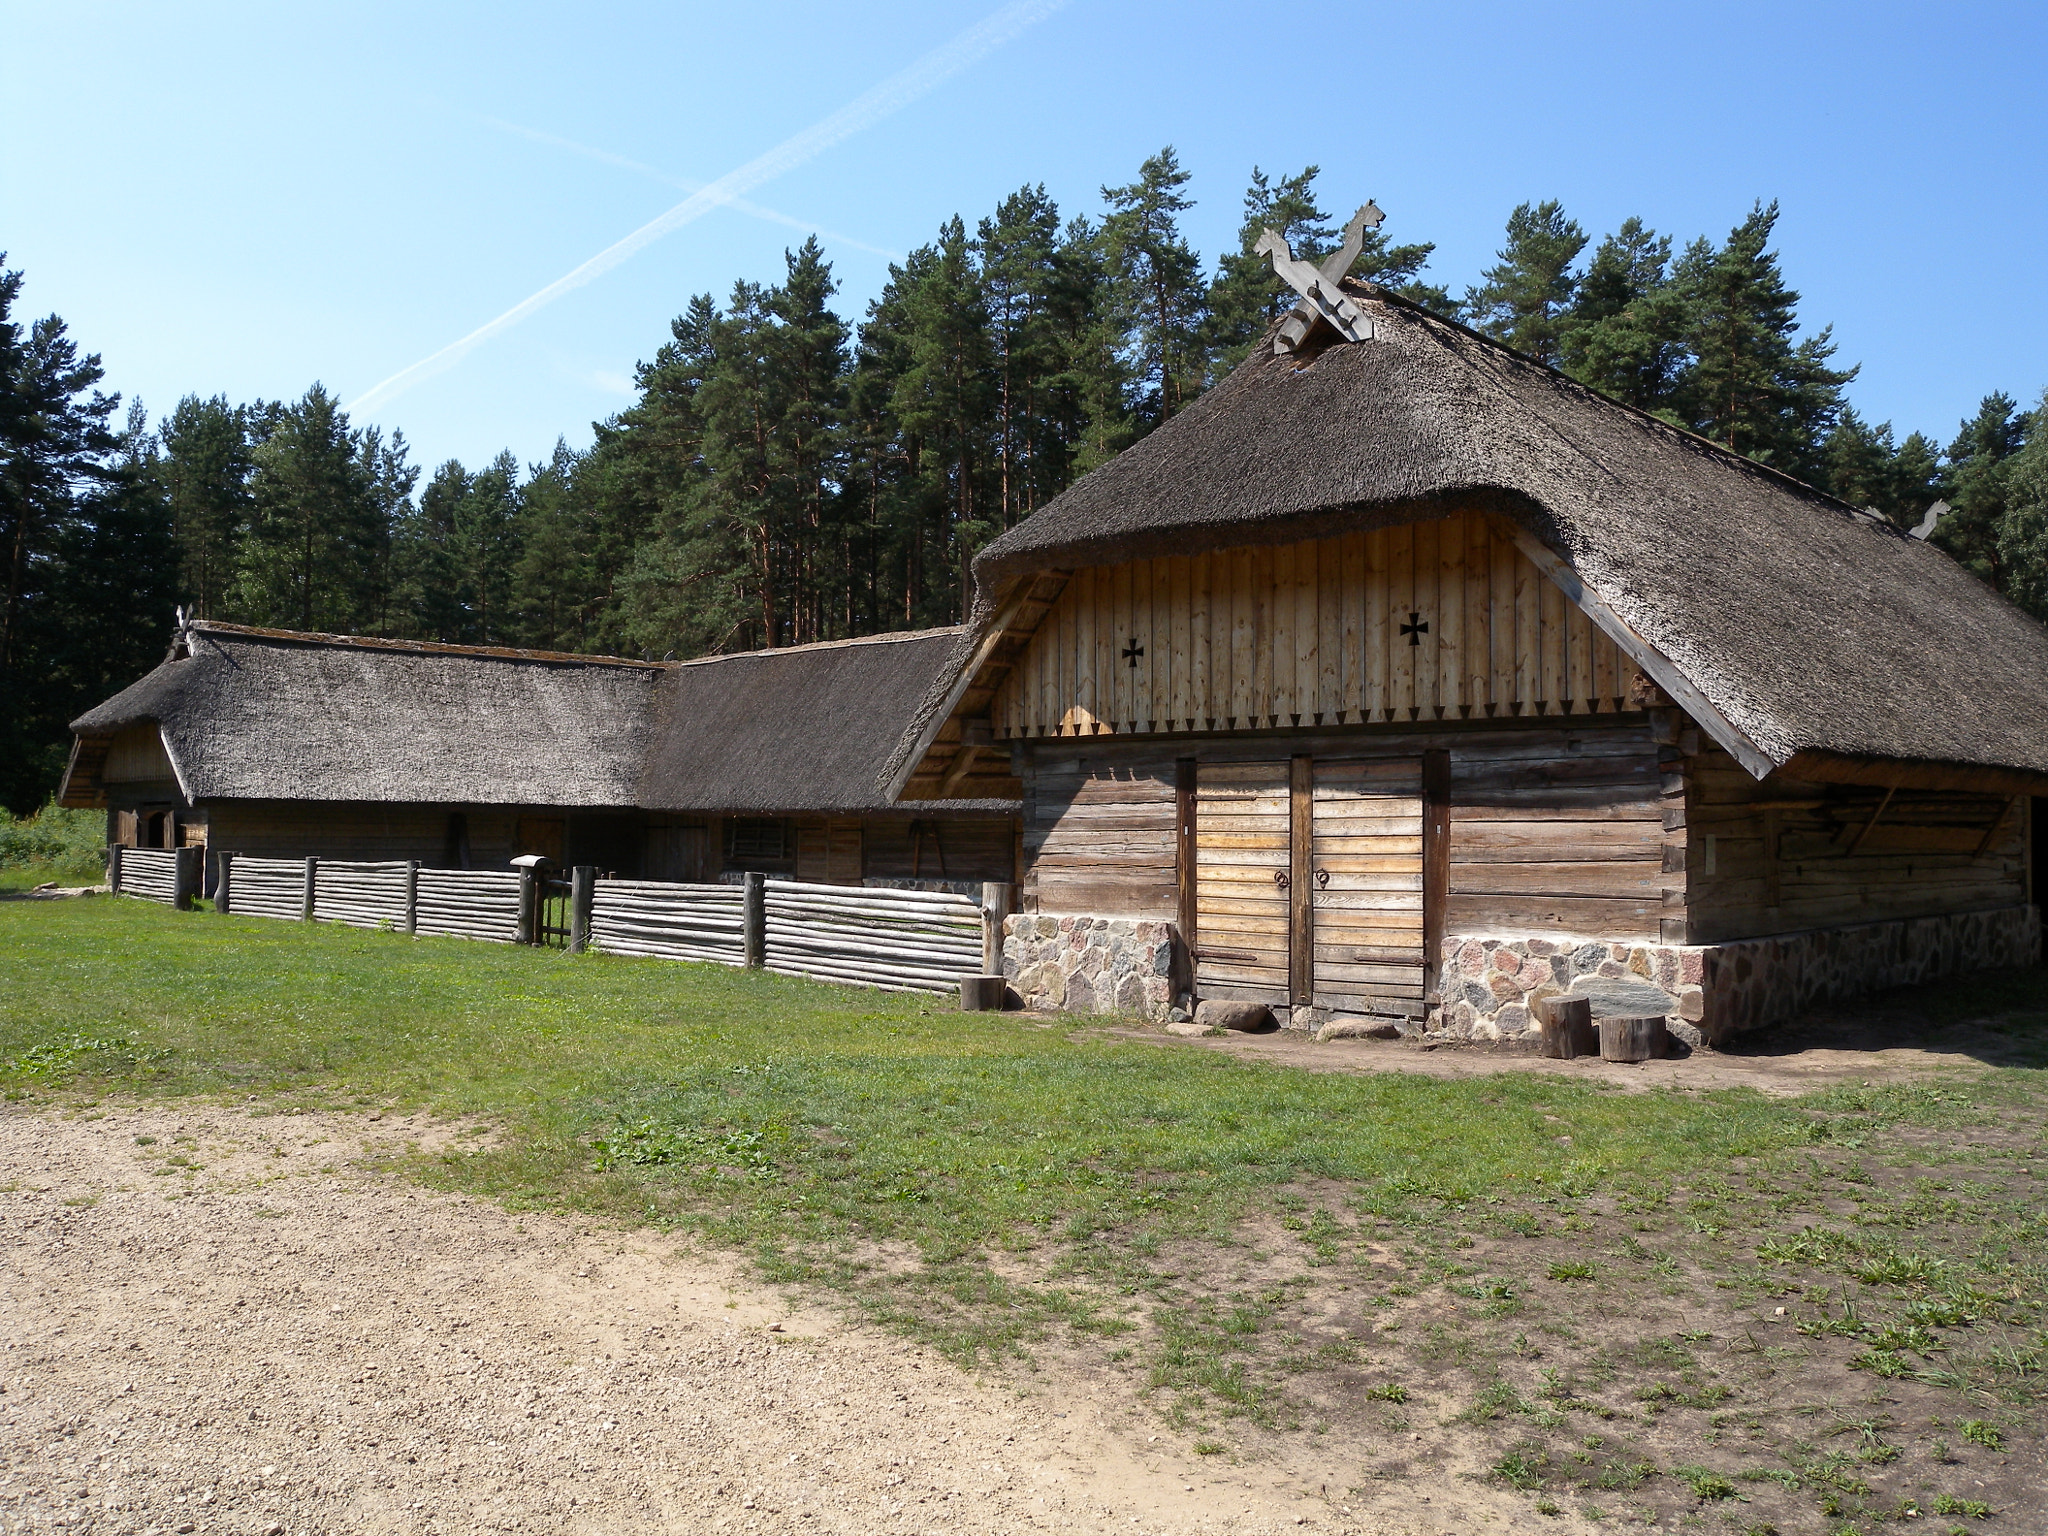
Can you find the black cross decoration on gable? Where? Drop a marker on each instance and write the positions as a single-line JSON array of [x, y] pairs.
[[1415, 628], [1132, 652]]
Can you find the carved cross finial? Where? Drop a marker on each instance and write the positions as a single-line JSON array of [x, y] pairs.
[[1321, 296]]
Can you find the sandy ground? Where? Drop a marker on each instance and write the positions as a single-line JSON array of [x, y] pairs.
[[231, 1328]]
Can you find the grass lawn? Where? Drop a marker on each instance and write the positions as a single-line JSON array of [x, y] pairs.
[[1577, 1288]]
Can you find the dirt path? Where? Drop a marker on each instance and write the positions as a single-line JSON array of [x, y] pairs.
[[215, 1322], [1877, 1041]]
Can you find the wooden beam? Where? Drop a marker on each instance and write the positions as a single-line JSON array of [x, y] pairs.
[[996, 633], [1870, 825], [1184, 845], [1997, 825], [1660, 668], [1301, 951], [1885, 772], [1436, 862], [964, 759]]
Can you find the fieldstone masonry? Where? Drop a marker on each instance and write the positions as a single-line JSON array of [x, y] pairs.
[[1712, 992], [1093, 964], [1491, 984]]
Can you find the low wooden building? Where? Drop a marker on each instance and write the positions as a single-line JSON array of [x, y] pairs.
[[1402, 675], [281, 744]]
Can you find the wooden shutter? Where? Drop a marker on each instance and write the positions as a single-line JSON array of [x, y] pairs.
[[1367, 897], [1243, 854]]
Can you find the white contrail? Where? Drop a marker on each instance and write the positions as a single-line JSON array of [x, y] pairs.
[[654, 173], [891, 96]]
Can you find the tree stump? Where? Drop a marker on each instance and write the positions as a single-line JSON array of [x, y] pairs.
[[1632, 1039], [1567, 1025]]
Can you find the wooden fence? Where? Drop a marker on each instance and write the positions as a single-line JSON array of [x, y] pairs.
[[168, 875], [667, 921], [900, 940], [912, 941], [471, 904]]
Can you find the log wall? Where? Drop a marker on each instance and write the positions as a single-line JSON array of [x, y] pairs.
[[1555, 826], [1436, 620], [1786, 855]]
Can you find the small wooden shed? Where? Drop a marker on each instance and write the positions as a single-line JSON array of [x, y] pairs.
[[282, 744], [1405, 676]]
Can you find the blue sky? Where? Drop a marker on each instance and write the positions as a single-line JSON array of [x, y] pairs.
[[242, 199]]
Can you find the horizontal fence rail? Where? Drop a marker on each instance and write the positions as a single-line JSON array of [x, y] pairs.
[[905, 941], [361, 895], [668, 921], [470, 904], [149, 873], [265, 887], [879, 936]]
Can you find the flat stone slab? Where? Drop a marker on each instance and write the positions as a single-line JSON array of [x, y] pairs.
[[1359, 1029], [1624, 997]]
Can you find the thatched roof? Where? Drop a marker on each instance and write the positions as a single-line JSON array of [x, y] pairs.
[[275, 714], [802, 728], [1798, 626]]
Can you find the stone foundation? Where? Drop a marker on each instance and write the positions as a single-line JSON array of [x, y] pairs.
[[1491, 986], [1093, 965], [1714, 991]]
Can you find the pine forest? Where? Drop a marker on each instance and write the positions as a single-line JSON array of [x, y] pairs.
[[787, 474]]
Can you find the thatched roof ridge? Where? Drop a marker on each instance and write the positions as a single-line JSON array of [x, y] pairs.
[[799, 728], [1805, 625], [264, 714], [254, 714]]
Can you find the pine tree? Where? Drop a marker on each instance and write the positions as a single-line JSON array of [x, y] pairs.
[[1027, 289], [1864, 467], [642, 498], [1159, 290], [206, 471], [1625, 331], [739, 408], [316, 555], [553, 585], [1977, 485], [90, 568], [1098, 377], [2023, 529], [1245, 297], [942, 402], [1752, 387], [808, 450], [1523, 298]]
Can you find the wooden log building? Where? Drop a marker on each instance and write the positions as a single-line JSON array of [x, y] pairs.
[[280, 744], [1402, 675]]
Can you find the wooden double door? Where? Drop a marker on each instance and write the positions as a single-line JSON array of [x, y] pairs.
[[1312, 880]]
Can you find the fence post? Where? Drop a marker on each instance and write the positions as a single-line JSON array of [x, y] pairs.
[[185, 875], [114, 868], [998, 901], [754, 920], [222, 887], [582, 889], [529, 903], [312, 881], [412, 896]]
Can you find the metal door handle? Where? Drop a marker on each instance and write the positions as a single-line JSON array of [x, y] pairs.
[[1280, 879], [1322, 879]]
